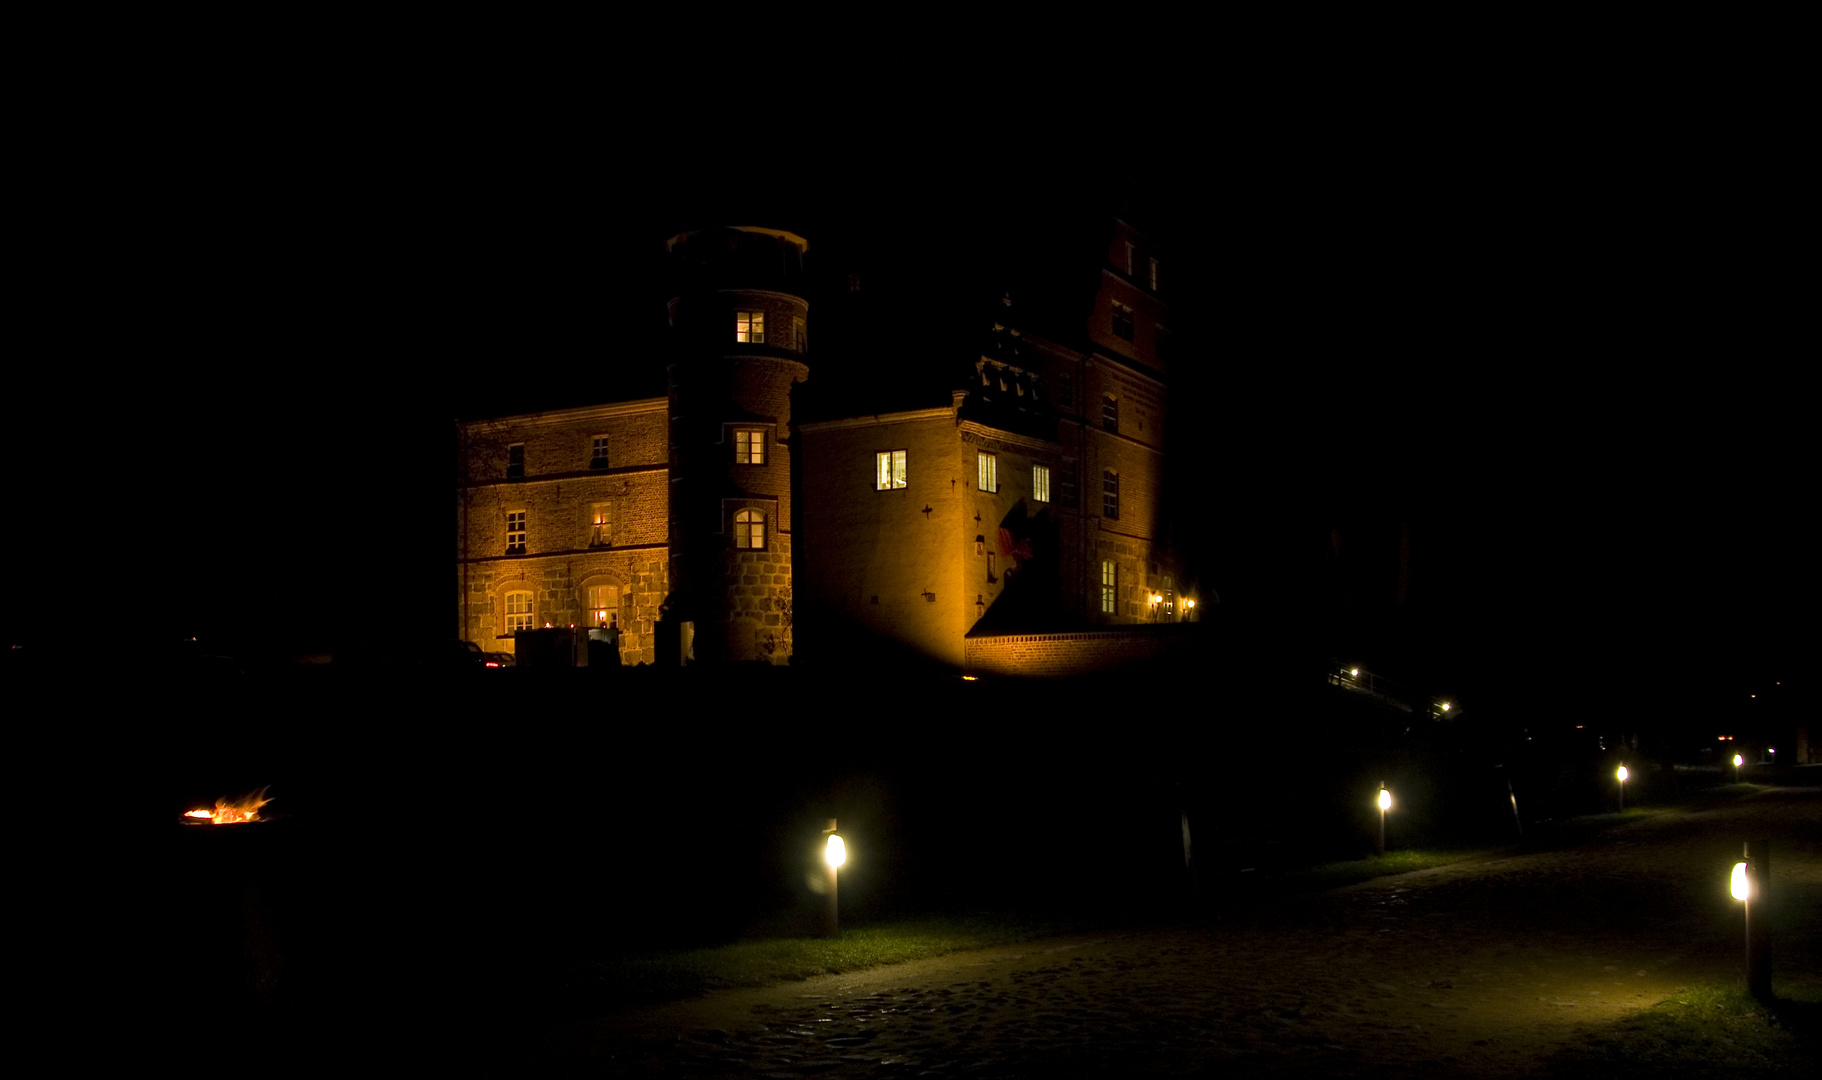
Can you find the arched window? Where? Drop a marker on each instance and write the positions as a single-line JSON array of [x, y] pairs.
[[518, 611], [749, 530]]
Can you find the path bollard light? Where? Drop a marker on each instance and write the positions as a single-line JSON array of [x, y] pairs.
[[1622, 774], [834, 853], [1744, 885], [1737, 762], [1385, 803]]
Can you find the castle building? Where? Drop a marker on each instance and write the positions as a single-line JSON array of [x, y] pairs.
[[1010, 504]]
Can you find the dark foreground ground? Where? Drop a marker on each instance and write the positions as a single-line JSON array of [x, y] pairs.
[[436, 849], [1513, 966]]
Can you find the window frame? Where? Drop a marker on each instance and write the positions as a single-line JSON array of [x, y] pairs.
[[891, 470], [1110, 494], [1040, 483], [611, 614], [515, 461], [598, 455], [749, 327], [749, 525], [529, 614], [518, 546], [601, 525], [1110, 580], [1122, 321], [1110, 413], [988, 469], [750, 446]]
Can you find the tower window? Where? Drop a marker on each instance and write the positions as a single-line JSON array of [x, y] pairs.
[[989, 472], [1040, 483], [1110, 495], [515, 532], [749, 530], [749, 326], [749, 446], [800, 333], [598, 460], [888, 470]]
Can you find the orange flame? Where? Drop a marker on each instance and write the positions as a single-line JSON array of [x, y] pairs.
[[233, 811]]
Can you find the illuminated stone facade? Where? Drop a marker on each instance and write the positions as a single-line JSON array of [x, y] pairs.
[[1021, 500]]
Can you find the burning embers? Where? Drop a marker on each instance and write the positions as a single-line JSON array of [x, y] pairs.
[[230, 811]]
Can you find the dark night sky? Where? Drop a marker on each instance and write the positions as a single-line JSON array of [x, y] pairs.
[[1556, 332]]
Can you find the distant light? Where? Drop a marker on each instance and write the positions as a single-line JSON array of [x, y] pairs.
[[1741, 884], [1738, 761], [970, 678], [1771, 749], [1622, 774], [1157, 598], [1189, 603], [1445, 706], [1354, 673], [837, 851], [1385, 800]]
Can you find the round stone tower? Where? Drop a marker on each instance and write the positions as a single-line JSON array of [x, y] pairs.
[[738, 334]]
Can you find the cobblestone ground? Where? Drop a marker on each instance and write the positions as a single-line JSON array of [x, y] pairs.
[[1492, 968]]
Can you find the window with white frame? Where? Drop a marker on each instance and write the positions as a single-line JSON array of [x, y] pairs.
[[749, 446], [598, 460], [749, 530], [604, 605], [515, 532], [1040, 483], [989, 471], [749, 326], [889, 470], [518, 611], [1109, 600], [1110, 495], [601, 525]]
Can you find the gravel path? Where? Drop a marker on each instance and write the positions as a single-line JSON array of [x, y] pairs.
[[1489, 968]]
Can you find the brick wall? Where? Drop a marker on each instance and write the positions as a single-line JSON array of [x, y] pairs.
[[1060, 655]]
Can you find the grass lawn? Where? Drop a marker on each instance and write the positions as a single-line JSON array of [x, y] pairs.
[[1713, 1030]]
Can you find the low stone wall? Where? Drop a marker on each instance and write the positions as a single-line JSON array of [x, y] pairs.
[[1043, 656]]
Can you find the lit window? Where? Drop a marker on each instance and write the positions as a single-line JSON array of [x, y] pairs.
[[749, 326], [1110, 495], [800, 333], [989, 470], [601, 525], [518, 611], [1040, 483], [1110, 413], [1107, 588], [1122, 321], [604, 605], [1129, 258], [889, 470], [1154, 275], [599, 459], [515, 461], [749, 447], [749, 530], [515, 532]]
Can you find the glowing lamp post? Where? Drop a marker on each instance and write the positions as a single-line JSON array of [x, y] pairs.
[[1385, 803], [1737, 762], [1622, 774], [834, 853], [1746, 886]]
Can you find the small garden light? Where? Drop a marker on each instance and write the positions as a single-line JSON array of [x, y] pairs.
[[834, 853], [1746, 887], [1622, 774], [1737, 762], [1385, 803]]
